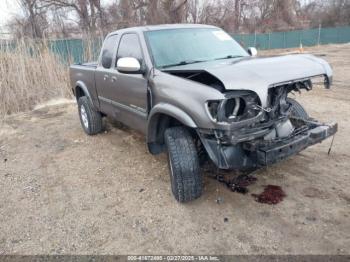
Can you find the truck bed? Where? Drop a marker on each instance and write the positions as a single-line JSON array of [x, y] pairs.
[[85, 73]]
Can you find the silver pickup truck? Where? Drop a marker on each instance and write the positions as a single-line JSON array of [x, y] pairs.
[[194, 91]]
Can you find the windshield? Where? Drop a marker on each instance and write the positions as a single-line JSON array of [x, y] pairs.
[[171, 47]]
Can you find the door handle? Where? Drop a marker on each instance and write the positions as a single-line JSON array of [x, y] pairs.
[[114, 78], [105, 77]]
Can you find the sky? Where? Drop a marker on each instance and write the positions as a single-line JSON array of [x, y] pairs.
[[7, 9]]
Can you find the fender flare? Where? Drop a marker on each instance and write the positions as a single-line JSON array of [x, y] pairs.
[[169, 110], [81, 85]]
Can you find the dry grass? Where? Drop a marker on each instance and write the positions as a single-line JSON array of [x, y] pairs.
[[30, 74]]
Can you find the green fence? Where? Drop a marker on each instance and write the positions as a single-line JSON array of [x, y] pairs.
[[68, 50], [78, 50], [308, 37]]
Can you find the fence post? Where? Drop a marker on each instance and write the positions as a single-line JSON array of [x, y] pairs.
[[269, 40], [319, 34], [338, 34], [254, 38], [67, 51]]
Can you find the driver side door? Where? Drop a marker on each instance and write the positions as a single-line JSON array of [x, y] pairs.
[[129, 97]]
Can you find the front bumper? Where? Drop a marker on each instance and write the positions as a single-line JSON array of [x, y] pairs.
[[267, 154], [258, 152]]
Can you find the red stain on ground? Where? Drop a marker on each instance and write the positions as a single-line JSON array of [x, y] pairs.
[[272, 195]]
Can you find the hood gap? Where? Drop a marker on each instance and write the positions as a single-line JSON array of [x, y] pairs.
[[199, 76]]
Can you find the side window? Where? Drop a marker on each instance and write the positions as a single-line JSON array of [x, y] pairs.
[[107, 51], [130, 47]]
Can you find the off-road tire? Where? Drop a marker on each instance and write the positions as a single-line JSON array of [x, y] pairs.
[[94, 118], [185, 175], [297, 109]]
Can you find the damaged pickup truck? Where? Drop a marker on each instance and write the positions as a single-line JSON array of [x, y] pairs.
[[194, 91]]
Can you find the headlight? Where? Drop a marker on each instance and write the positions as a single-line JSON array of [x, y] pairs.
[[237, 106]]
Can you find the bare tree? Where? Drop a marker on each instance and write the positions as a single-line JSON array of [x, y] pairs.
[[92, 18], [330, 13], [176, 10], [88, 12], [34, 21]]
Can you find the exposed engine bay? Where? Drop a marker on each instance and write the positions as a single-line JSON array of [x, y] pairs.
[[242, 105], [257, 135]]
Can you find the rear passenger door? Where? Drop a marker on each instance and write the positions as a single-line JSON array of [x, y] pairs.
[[129, 96], [104, 73]]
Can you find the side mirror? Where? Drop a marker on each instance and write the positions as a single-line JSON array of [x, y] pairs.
[[128, 65], [252, 51]]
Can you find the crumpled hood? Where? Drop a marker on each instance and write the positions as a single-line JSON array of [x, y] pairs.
[[259, 74]]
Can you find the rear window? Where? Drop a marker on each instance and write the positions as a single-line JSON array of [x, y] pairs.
[[107, 51]]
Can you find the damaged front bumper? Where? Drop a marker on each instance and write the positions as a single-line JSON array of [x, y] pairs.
[[228, 152], [270, 153]]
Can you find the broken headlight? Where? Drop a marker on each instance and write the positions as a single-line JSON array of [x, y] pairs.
[[237, 106]]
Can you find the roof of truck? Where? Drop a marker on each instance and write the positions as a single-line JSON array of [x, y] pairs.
[[162, 27]]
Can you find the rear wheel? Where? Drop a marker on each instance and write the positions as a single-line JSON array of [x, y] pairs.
[[90, 119], [185, 176], [298, 110]]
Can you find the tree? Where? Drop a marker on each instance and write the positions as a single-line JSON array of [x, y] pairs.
[[34, 21], [94, 19], [88, 12]]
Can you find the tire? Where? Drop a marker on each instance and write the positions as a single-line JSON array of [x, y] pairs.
[[298, 110], [90, 119], [185, 175]]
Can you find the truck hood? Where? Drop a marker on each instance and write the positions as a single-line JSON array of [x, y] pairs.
[[260, 74]]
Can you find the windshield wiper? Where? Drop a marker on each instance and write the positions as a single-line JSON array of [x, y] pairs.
[[186, 62], [228, 57]]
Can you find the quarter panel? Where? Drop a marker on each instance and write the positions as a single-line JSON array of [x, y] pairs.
[[84, 77]]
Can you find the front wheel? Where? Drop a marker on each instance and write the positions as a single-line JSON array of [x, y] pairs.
[[185, 176]]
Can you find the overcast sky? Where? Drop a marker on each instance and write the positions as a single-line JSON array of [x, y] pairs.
[[7, 9]]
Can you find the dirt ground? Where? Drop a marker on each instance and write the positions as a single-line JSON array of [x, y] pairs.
[[63, 192]]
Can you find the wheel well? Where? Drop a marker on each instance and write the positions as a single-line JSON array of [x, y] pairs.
[[158, 125], [79, 92]]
